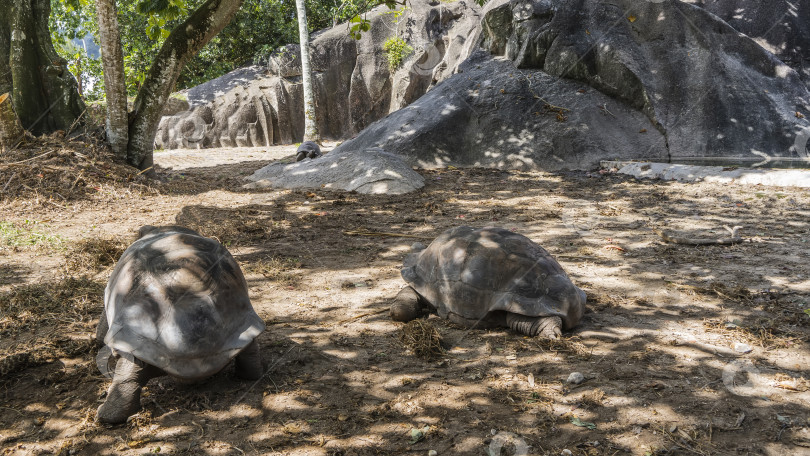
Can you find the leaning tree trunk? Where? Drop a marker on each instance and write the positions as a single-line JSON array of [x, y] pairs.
[[184, 41], [115, 87], [310, 124], [44, 93]]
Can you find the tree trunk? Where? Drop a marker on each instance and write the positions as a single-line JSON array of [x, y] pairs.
[[310, 124], [44, 93], [183, 42], [79, 76], [112, 59], [5, 48], [10, 129]]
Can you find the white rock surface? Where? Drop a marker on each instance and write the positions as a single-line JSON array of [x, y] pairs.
[[743, 176], [576, 378], [365, 171]]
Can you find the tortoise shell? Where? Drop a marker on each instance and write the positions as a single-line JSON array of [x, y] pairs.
[[475, 273], [179, 301]]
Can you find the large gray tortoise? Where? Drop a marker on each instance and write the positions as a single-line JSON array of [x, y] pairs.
[[489, 277], [176, 304]]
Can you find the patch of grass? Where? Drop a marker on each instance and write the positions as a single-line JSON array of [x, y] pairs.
[[28, 233], [277, 269], [572, 346], [228, 226], [69, 301], [769, 333], [69, 304], [422, 338], [593, 398], [95, 254]]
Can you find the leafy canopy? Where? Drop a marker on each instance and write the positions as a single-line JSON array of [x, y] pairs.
[[259, 27]]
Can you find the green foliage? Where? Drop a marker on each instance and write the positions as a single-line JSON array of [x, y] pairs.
[[159, 13], [397, 13], [396, 49], [259, 28], [358, 26], [358, 22]]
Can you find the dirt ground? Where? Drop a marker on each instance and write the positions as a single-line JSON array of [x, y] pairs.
[[661, 347]]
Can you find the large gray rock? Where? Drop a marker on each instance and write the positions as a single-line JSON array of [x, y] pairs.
[[781, 27], [368, 171], [352, 82], [692, 83], [708, 88], [210, 90], [488, 116]]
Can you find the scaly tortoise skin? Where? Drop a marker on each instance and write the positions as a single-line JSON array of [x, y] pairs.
[[176, 304], [489, 277]]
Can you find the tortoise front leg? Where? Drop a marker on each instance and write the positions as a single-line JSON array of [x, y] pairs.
[[249, 362], [103, 326], [548, 327], [124, 396]]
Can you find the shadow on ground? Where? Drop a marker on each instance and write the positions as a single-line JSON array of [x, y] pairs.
[[662, 347]]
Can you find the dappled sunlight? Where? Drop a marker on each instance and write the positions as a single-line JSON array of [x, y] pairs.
[[663, 326]]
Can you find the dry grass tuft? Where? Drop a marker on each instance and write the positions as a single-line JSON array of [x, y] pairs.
[[54, 170], [422, 338], [72, 300], [228, 226], [70, 304], [570, 345], [688, 441], [600, 301], [769, 333], [95, 255], [277, 269], [720, 290], [593, 398]]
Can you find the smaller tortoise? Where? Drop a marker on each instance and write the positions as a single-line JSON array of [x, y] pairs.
[[176, 304], [489, 277], [307, 149]]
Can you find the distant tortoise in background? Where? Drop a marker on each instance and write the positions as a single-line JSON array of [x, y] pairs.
[[307, 149], [176, 304], [489, 277]]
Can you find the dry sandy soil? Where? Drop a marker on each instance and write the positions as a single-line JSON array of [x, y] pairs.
[[660, 347]]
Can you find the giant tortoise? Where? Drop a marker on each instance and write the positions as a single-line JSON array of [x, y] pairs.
[[489, 277], [176, 304], [307, 149]]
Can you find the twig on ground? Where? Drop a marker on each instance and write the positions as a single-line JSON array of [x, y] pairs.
[[356, 317], [29, 159], [9, 181], [669, 236], [382, 233], [75, 122]]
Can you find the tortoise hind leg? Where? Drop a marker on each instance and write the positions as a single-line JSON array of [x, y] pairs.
[[249, 362], [124, 396], [548, 327], [407, 305]]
